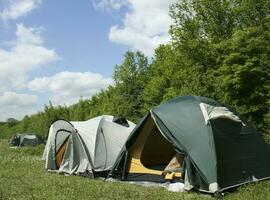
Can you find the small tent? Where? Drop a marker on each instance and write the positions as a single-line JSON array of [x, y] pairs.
[[21, 140], [197, 140], [85, 147]]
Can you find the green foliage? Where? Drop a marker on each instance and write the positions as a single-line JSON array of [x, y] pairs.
[[160, 73], [219, 49], [223, 50], [130, 78], [11, 122], [245, 73]]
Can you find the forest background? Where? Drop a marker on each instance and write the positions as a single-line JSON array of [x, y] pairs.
[[218, 49]]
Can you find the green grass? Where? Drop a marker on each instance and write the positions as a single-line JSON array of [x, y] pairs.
[[22, 176]]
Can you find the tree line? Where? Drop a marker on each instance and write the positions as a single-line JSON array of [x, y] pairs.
[[218, 48]]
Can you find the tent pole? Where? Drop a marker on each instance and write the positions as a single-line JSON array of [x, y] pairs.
[[125, 165]]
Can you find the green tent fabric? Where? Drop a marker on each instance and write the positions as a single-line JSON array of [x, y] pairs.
[[21, 140], [85, 147], [221, 149]]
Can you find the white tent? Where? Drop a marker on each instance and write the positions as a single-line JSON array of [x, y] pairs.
[[85, 147]]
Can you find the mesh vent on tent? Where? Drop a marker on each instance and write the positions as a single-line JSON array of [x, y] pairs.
[[121, 120]]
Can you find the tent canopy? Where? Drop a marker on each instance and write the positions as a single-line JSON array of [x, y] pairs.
[[218, 148], [85, 147]]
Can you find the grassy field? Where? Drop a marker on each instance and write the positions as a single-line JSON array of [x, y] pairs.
[[22, 176]]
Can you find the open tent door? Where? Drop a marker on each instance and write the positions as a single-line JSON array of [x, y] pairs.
[[61, 143], [149, 155]]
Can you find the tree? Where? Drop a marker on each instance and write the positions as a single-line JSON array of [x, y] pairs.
[[130, 78], [245, 73], [223, 49], [160, 75], [11, 122]]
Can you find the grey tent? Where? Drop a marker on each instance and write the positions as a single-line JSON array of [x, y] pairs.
[[85, 147], [196, 140], [21, 140]]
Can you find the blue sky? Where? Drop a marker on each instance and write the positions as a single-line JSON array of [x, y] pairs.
[[61, 50]]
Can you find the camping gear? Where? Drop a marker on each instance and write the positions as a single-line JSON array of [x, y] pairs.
[[174, 168], [85, 147], [219, 148], [176, 187], [20, 140]]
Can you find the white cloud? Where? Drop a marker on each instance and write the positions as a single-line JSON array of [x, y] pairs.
[[145, 25], [18, 8], [67, 87], [109, 4], [15, 105], [24, 54]]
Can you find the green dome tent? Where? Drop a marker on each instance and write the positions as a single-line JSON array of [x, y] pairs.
[[218, 149], [85, 147]]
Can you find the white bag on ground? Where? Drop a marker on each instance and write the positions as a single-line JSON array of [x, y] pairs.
[[176, 187]]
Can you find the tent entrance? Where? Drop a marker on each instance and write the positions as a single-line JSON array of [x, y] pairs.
[[150, 154], [61, 143]]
